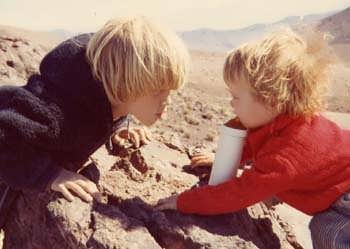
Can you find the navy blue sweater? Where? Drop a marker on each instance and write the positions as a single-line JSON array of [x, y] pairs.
[[59, 118]]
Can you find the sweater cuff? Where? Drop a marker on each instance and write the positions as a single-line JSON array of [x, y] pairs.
[[46, 179]]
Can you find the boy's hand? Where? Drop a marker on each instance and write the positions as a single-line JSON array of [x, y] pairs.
[[168, 203], [201, 159], [137, 136], [68, 182]]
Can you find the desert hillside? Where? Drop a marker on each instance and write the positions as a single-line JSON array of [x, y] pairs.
[[223, 40], [338, 25], [46, 39]]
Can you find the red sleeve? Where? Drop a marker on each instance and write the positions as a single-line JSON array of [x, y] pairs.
[[246, 154], [269, 176]]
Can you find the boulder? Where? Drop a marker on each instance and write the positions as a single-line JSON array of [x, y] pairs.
[[131, 182]]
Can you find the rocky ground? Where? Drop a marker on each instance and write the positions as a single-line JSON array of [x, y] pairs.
[[131, 182]]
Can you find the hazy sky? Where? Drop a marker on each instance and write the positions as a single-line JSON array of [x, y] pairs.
[[88, 15]]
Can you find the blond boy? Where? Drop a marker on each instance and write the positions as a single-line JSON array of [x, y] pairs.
[[86, 87]]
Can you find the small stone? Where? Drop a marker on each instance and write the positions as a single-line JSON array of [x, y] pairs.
[[191, 120], [158, 177], [10, 63], [210, 137]]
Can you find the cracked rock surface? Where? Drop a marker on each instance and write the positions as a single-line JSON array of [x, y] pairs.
[[126, 217]]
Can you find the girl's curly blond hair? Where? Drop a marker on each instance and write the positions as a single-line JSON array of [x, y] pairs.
[[287, 72]]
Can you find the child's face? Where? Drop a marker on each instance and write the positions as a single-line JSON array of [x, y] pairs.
[[149, 108], [251, 112]]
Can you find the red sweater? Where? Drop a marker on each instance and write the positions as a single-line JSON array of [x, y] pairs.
[[306, 164]]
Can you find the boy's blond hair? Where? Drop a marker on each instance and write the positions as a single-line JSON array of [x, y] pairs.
[[133, 57], [285, 71]]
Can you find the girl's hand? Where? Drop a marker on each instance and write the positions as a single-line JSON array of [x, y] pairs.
[[201, 159], [168, 203], [206, 160], [137, 136], [68, 182]]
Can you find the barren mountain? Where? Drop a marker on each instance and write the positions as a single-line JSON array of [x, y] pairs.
[[338, 25], [46, 39], [224, 40]]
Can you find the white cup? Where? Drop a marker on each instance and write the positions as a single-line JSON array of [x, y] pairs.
[[228, 154]]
